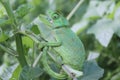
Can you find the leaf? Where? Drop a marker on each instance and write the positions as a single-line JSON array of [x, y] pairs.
[[97, 9], [5, 22], [104, 30], [28, 42], [7, 70], [80, 26], [35, 29], [39, 7], [92, 14], [115, 11], [117, 14], [30, 73], [3, 37], [92, 71], [16, 73], [23, 10], [2, 11], [93, 55]]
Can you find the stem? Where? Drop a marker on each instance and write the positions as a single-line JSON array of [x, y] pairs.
[[37, 60], [8, 50], [18, 38], [74, 10], [20, 50], [9, 11]]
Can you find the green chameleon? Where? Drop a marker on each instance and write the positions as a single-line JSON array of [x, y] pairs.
[[65, 43]]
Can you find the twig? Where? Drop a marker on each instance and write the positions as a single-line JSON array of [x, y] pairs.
[[74, 10], [37, 60], [8, 50]]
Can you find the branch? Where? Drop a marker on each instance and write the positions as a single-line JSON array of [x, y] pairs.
[[37, 59], [74, 10], [8, 50]]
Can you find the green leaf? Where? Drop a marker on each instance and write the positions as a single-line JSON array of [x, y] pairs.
[[115, 11], [16, 73], [5, 22], [23, 10], [7, 70], [28, 42], [92, 71], [80, 26], [29, 73], [3, 37], [35, 29], [97, 9], [39, 7], [104, 30], [2, 11]]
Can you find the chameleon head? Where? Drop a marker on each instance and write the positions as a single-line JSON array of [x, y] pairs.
[[56, 19]]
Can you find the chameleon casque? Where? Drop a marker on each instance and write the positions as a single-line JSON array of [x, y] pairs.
[[65, 43]]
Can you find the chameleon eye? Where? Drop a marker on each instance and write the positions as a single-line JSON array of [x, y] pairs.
[[55, 16]]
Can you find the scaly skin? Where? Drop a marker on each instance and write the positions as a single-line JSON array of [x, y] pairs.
[[71, 50]]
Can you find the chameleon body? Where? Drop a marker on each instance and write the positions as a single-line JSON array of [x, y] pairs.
[[71, 50]]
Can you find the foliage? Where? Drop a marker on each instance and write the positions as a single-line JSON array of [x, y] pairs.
[[96, 22]]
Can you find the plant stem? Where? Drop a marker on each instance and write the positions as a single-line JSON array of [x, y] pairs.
[[18, 38], [20, 50], [37, 60], [8, 50], [9, 11], [74, 9]]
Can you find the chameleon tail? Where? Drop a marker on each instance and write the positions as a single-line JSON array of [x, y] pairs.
[[48, 69]]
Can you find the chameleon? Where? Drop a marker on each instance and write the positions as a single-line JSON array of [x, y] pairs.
[[64, 42]]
